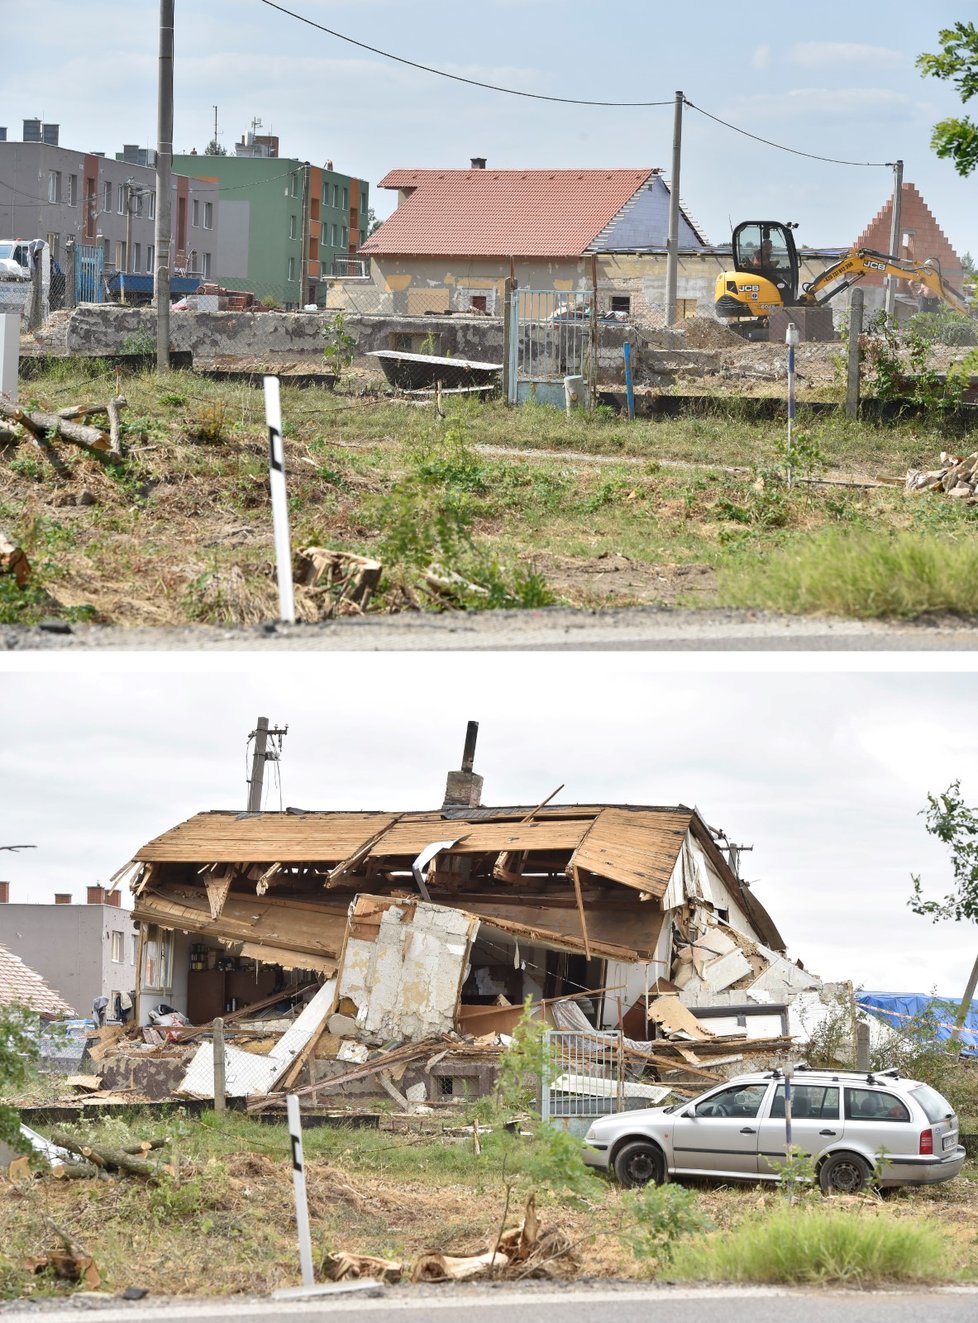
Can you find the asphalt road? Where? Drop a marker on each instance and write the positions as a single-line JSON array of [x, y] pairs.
[[544, 1302], [636, 629]]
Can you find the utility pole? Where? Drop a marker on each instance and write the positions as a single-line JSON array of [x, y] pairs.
[[261, 755], [895, 234], [164, 162], [672, 241]]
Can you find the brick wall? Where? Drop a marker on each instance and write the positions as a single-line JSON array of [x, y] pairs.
[[927, 241]]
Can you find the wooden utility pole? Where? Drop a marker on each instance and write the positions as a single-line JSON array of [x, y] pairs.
[[855, 335], [672, 241], [260, 756], [164, 163]]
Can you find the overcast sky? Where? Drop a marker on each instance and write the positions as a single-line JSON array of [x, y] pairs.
[[835, 80], [823, 773]]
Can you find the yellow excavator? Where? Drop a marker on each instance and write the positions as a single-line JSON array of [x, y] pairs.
[[766, 277]]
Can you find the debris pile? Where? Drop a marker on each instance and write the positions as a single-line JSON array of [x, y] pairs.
[[957, 477]]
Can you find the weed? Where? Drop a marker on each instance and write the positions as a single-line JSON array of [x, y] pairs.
[[209, 423], [655, 1217], [819, 1246], [339, 348], [139, 342]]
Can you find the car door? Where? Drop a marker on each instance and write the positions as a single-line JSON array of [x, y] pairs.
[[879, 1123], [717, 1135], [815, 1124]]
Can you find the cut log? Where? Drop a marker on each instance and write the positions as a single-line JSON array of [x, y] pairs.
[[352, 579], [105, 1157], [41, 425]]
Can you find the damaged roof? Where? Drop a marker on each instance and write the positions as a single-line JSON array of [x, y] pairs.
[[501, 213]]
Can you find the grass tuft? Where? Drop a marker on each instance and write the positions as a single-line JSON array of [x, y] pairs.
[[818, 1246], [865, 575]]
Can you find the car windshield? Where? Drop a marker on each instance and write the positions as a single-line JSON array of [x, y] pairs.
[[935, 1107], [6, 250]]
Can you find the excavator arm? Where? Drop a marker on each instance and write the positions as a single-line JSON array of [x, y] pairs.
[[865, 261]]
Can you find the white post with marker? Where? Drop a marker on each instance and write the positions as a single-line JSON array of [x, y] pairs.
[[299, 1184], [280, 505], [791, 339]]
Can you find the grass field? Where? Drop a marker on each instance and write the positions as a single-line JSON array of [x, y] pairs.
[[224, 1222], [523, 507]]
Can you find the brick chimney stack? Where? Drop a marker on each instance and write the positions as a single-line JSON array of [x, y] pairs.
[[463, 789], [62, 898], [96, 896], [4, 893]]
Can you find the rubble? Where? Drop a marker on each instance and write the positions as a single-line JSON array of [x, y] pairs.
[[957, 477]]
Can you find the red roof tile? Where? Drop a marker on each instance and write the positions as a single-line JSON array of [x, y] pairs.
[[23, 986], [501, 213]]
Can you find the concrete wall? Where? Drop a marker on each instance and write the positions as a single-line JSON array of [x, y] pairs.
[[71, 947]]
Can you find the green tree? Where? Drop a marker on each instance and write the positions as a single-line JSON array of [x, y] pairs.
[[956, 138], [18, 1055], [214, 148], [952, 821]]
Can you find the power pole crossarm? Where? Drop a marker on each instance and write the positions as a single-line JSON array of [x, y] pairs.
[[262, 754]]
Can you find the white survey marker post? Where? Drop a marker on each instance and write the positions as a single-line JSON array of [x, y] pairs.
[[299, 1185], [280, 505]]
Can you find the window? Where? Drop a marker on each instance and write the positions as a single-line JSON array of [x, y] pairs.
[[106, 252], [325, 195], [336, 236], [54, 243], [346, 197], [621, 303], [294, 189], [192, 268], [739, 1100], [195, 213], [117, 955], [150, 256], [336, 195], [137, 208], [136, 256], [819, 1101], [152, 205], [135, 947], [107, 195], [54, 185], [874, 1105], [293, 227], [205, 265], [72, 190], [345, 233], [120, 256], [208, 215], [121, 200], [158, 958], [292, 268]]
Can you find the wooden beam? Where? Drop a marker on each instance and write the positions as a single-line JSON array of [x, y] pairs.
[[580, 910], [353, 861], [509, 864]]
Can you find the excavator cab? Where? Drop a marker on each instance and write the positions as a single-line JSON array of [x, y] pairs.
[[765, 274]]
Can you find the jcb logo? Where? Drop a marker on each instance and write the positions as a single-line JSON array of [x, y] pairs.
[[873, 266], [747, 289]]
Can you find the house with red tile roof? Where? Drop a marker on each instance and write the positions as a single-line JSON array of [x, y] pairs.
[[456, 235], [22, 986]]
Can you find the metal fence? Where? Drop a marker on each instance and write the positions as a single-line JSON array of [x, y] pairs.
[[89, 271], [587, 1076]]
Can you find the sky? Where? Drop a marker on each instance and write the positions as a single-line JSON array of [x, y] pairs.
[[834, 80], [823, 772]]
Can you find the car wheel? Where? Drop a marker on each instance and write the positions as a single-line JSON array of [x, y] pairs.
[[844, 1173], [639, 1163]]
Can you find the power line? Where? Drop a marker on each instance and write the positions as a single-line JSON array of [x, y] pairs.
[[780, 146], [457, 78]]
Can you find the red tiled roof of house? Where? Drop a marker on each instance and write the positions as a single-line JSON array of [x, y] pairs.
[[501, 213], [23, 986]]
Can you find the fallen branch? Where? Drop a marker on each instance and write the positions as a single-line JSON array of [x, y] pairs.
[[109, 1158]]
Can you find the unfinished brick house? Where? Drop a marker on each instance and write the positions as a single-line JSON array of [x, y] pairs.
[[921, 240]]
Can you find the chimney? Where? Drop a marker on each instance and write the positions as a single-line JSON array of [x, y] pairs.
[[4, 893], [478, 162], [32, 130], [3, 134], [463, 789], [50, 133], [96, 896], [114, 897], [62, 898]]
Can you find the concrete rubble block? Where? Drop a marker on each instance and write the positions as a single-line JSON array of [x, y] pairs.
[[719, 974], [342, 1026], [812, 324]]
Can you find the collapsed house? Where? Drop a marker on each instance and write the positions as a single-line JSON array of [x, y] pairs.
[[412, 927]]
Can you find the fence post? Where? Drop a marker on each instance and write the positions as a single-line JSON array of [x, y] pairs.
[[592, 384], [855, 335], [220, 1099], [862, 1038], [511, 330], [71, 257]]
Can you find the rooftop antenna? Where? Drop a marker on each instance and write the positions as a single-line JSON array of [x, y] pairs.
[[215, 128]]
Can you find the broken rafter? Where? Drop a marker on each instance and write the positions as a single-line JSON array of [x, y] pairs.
[[261, 886], [407, 1052], [359, 855], [509, 864], [580, 909]]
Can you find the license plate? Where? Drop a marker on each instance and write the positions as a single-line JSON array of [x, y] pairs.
[[949, 1141]]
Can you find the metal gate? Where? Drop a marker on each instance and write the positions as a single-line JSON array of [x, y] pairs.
[[586, 1076], [550, 339], [89, 269]]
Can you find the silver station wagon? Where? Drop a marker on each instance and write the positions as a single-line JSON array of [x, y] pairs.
[[862, 1129]]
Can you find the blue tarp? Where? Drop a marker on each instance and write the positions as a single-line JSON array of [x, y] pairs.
[[912, 1010]]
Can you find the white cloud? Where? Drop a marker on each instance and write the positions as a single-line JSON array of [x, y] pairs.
[[761, 59], [822, 54]]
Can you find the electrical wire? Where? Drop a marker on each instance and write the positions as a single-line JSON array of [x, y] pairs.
[[831, 160], [457, 78]]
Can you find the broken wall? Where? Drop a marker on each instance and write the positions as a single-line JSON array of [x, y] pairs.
[[402, 968]]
